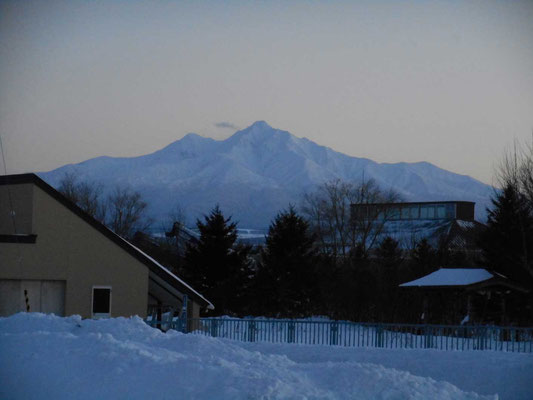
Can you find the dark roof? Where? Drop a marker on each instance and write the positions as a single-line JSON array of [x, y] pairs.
[[407, 203], [152, 264]]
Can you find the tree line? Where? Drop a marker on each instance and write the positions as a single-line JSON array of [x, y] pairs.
[[123, 210], [294, 276], [324, 259]]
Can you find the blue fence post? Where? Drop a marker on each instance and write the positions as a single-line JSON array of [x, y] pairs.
[[251, 331], [333, 333], [290, 332], [480, 338], [214, 327], [379, 336], [427, 337]]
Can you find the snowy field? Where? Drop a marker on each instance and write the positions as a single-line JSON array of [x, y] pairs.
[[47, 357]]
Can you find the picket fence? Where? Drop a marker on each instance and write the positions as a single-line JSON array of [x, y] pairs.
[[352, 334]]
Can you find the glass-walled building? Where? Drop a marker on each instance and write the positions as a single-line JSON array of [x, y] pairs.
[[438, 210]]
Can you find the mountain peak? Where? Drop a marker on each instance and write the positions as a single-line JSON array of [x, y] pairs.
[[258, 171], [188, 142], [191, 135], [259, 125], [259, 131]]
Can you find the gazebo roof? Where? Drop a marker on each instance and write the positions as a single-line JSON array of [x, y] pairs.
[[451, 277]]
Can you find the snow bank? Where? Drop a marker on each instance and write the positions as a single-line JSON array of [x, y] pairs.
[[44, 356]]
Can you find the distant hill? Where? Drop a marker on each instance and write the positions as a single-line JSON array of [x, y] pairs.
[[257, 172]]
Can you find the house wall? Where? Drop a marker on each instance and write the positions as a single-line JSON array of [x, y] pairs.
[[69, 249], [17, 198]]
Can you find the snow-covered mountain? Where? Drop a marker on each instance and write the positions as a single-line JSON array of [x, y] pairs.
[[257, 172]]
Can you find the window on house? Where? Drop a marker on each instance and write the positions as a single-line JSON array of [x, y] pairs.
[[101, 302]]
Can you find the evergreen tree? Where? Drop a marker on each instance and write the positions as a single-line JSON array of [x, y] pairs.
[[423, 258], [388, 260], [287, 277], [389, 253], [217, 266], [507, 242]]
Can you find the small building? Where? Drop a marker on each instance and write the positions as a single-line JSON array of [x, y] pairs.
[[55, 258], [410, 211], [444, 224], [461, 295]]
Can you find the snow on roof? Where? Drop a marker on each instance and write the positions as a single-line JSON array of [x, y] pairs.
[[209, 306], [452, 277], [465, 224], [408, 232]]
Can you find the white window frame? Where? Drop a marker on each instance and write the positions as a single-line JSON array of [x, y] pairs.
[[101, 315]]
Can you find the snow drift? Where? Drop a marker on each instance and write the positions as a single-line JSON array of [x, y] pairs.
[[44, 356]]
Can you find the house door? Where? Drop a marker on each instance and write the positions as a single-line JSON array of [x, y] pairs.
[[32, 295]]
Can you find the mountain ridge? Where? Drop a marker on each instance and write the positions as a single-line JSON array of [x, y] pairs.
[[258, 171]]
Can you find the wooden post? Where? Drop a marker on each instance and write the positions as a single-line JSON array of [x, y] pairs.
[[183, 317], [159, 314]]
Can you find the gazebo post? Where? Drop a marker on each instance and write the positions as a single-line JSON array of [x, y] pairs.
[[503, 319], [425, 308], [469, 307]]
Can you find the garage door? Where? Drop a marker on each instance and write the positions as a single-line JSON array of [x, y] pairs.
[[32, 295]]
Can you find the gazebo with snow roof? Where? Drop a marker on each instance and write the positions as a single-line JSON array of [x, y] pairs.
[[464, 295]]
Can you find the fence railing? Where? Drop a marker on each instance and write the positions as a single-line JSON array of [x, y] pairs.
[[351, 334]]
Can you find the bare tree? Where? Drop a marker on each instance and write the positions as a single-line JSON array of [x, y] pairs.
[[370, 211], [126, 212], [514, 175], [86, 195], [328, 211], [516, 169], [336, 214], [68, 186], [174, 229], [90, 201]]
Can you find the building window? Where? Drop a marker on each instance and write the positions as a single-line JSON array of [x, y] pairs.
[[393, 213], [427, 212], [101, 301], [450, 211]]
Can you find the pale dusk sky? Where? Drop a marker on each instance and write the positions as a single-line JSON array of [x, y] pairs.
[[449, 82]]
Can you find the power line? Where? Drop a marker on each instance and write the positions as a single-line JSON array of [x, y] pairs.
[[3, 156], [10, 199]]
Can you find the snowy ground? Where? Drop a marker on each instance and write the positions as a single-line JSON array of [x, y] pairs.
[[63, 358]]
